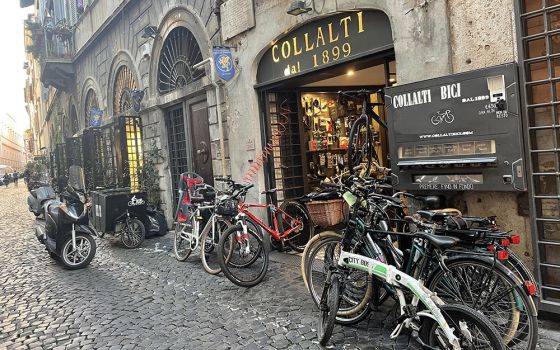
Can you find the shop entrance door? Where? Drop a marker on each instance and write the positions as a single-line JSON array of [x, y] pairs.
[[177, 144], [200, 141]]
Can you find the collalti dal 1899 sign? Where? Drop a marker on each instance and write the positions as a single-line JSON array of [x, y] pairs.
[[330, 40]]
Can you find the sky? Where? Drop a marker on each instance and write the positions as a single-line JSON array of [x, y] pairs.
[[12, 57]]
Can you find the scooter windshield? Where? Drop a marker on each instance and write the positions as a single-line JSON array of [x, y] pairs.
[[76, 177]]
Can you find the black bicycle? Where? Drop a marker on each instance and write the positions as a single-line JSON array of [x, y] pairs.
[[361, 140]]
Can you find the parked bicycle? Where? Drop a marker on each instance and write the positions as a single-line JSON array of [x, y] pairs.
[[361, 141], [498, 292], [432, 323], [241, 252], [203, 213]]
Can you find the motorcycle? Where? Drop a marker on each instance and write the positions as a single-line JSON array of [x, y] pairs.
[[64, 228]]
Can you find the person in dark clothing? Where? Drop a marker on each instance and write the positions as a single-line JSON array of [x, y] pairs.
[[26, 176], [15, 177]]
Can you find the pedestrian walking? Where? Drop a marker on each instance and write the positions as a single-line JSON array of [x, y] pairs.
[[15, 176], [6, 180], [26, 176]]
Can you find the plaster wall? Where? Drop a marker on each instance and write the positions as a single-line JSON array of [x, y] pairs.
[[482, 34]]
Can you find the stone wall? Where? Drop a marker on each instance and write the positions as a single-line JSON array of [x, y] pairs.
[[482, 34]]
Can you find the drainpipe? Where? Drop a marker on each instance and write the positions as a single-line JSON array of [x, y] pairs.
[[218, 108]]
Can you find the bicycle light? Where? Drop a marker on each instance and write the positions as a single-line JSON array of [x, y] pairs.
[[515, 239], [531, 288], [503, 255]]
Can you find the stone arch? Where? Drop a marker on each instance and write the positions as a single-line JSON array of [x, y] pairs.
[[181, 16], [90, 87], [122, 62]]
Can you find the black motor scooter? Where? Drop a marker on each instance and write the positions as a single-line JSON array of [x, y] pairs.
[[40, 191], [64, 230]]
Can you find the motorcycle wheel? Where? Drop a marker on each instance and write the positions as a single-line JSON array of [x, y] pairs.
[[133, 234], [81, 255]]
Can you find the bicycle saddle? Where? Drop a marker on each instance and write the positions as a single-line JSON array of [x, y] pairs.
[[440, 242], [271, 191], [434, 216]]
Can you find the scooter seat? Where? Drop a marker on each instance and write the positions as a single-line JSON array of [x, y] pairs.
[[53, 210]]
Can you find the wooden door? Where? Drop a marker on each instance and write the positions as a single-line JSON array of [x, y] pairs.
[[200, 141]]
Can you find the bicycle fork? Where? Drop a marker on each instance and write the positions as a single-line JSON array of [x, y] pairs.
[[243, 238]]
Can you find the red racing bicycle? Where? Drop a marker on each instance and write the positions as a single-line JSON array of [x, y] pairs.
[[241, 253]]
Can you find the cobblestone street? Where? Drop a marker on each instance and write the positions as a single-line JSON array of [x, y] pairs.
[[144, 298]]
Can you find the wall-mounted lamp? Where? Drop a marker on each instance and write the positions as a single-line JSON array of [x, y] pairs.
[[298, 7], [150, 32]]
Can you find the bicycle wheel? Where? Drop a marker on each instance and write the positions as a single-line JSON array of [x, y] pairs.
[[234, 251], [133, 234], [209, 253], [354, 302], [494, 291], [181, 243], [328, 310], [253, 227], [360, 145], [473, 329], [308, 249], [298, 240]]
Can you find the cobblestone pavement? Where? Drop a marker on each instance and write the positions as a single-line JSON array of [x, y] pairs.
[[144, 298]]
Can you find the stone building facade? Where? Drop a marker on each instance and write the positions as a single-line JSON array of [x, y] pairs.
[[113, 53]]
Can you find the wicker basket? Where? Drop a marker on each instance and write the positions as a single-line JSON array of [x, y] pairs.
[[326, 213]]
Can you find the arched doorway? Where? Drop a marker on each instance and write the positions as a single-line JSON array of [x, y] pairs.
[[298, 78], [188, 135], [91, 103]]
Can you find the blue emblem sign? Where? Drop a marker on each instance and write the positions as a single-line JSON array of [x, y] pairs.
[[95, 117], [223, 62]]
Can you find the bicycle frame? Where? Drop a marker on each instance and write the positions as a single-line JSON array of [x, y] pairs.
[[392, 276], [274, 231], [195, 232]]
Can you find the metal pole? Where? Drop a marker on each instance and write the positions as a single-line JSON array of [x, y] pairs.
[[218, 109]]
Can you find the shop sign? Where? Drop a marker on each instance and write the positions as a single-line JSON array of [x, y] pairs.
[[95, 117], [327, 41], [223, 62], [457, 132]]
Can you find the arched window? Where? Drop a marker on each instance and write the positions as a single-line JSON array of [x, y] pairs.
[[124, 84], [74, 126], [179, 53], [90, 103]]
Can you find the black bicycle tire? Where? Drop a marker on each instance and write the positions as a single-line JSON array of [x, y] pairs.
[[362, 311], [532, 324], [428, 324], [257, 229], [225, 266], [298, 247], [355, 128], [142, 231], [327, 317]]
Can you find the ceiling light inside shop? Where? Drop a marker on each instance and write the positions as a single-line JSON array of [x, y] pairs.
[[350, 72]]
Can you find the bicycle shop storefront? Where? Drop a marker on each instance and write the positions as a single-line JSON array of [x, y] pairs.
[[305, 123], [457, 136]]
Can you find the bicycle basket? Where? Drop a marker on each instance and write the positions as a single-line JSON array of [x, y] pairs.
[[227, 207]]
